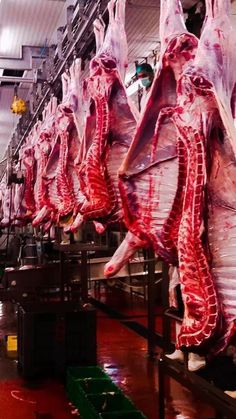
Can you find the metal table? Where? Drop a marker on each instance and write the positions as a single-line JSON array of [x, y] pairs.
[[82, 249]]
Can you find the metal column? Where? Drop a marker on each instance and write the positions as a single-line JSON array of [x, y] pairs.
[[62, 285], [84, 275], [151, 303], [161, 390]]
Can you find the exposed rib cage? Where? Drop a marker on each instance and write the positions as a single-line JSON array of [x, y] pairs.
[[99, 193], [63, 185], [197, 284], [171, 226]]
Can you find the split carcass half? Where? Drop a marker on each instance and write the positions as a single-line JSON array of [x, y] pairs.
[[111, 122], [42, 148], [7, 203], [62, 172], [76, 104], [20, 212], [28, 166], [210, 294], [88, 116], [149, 174], [80, 113]]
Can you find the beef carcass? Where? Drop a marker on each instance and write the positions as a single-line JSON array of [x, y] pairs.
[[148, 176], [87, 130], [42, 147], [28, 167], [76, 147], [7, 203], [20, 211], [83, 114], [61, 171], [75, 96], [114, 121], [210, 296]]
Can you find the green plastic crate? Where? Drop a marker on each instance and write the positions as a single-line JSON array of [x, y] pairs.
[[79, 389], [116, 402], [136, 414], [75, 376], [94, 394], [97, 385], [86, 372]]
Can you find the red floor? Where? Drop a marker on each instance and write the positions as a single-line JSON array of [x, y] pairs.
[[122, 353], [132, 307], [45, 401]]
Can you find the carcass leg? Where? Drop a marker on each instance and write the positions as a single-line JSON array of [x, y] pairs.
[[125, 251], [111, 10], [120, 11], [99, 32]]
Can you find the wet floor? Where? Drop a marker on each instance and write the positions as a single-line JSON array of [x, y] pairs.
[[123, 354]]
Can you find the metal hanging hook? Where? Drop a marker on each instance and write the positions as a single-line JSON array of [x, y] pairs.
[[99, 8]]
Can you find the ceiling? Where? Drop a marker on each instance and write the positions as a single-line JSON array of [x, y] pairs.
[[27, 22], [34, 23], [22, 23]]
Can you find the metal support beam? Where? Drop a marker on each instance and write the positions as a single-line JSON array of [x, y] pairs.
[[151, 303], [12, 79], [69, 15], [60, 32], [30, 57]]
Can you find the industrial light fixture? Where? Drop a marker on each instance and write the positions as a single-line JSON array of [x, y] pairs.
[[18, 105], [6, 39]]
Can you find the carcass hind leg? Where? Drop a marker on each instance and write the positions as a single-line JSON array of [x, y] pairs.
[[111, 10], [120, 11], [99, 31], [125, 251], [65, 85], [78, 68]]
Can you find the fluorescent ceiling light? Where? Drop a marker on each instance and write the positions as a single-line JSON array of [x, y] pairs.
[[6, 35]]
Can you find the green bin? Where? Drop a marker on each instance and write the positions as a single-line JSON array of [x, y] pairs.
[[123, 415], [97, 385], [116, 402], [75, 376], [94, 394], [86, 372]]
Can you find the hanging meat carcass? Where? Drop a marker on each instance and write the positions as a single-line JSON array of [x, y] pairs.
[[62, 171], [77, 103], [7, 203], [110, 124], [20, 211], [25, 200], [148, 176], [210, 295], [87, 129], [42, 147]]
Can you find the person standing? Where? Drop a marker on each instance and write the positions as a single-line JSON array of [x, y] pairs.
[[145, 75]]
